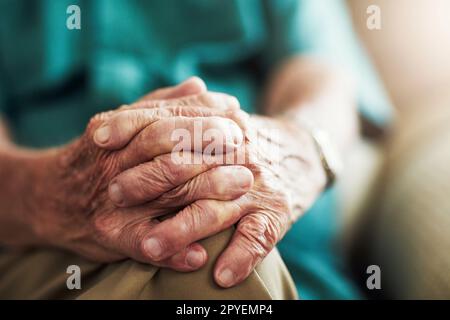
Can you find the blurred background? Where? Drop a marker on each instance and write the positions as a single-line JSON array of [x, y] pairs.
[[395, 196], [400, 219]]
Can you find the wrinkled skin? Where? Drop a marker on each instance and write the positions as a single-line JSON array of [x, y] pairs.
[[110, 190], [116, 193], [285, 185], [77, 212]]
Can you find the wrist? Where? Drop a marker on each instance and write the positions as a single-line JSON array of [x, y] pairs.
[[291, 148], [22, 172], [293, 158], [61, 184], [328, 153]]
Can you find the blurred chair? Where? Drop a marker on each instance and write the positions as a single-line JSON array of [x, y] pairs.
[[400, 222]]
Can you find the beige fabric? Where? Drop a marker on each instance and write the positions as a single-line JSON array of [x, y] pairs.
[[411, 238], [356, 185], [41, 274]]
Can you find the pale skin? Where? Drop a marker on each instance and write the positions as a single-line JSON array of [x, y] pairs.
[[100, 196]]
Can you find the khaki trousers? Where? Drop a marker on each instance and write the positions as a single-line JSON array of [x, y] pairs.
[[41, 274]]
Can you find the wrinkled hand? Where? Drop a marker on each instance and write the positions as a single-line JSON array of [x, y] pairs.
[[103, 193], [288, 177]]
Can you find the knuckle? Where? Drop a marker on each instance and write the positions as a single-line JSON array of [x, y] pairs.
[[177, 110], [200, 213], [209, 181], [105, 226], [161, 108], [142, 181], [275, 205], [130, 239], [260, 232], [148, 135], [137, 183], [174, 196], [153, 137], [205, 99], [192, 218], [170, 172], [121, 117], [131, 155], [97, 120], [281, 204], [108, 167], [128, 119]]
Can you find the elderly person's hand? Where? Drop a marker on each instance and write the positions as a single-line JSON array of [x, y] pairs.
[[288, 177], [100, 195], [287, 180]]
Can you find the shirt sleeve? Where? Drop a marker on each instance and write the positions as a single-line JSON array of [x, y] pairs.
[[324, 29]]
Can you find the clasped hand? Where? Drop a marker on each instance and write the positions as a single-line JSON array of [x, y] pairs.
[[116, 192]]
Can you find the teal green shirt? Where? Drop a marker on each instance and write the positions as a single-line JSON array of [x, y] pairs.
[[52, 79]]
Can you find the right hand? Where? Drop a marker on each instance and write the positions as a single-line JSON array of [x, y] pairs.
[[84, 210]]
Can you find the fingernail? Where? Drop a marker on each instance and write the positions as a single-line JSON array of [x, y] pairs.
[[115, 193], [102, 134], [153, 248], [226, 278], [194, 258]]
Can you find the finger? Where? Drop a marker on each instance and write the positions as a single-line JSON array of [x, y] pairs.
[[117, 130], [210, 99], [181, 134], [255, 236], [131, 243], [219, 183], [199, 220], [131, 123], [191, 86], [151, 179]]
